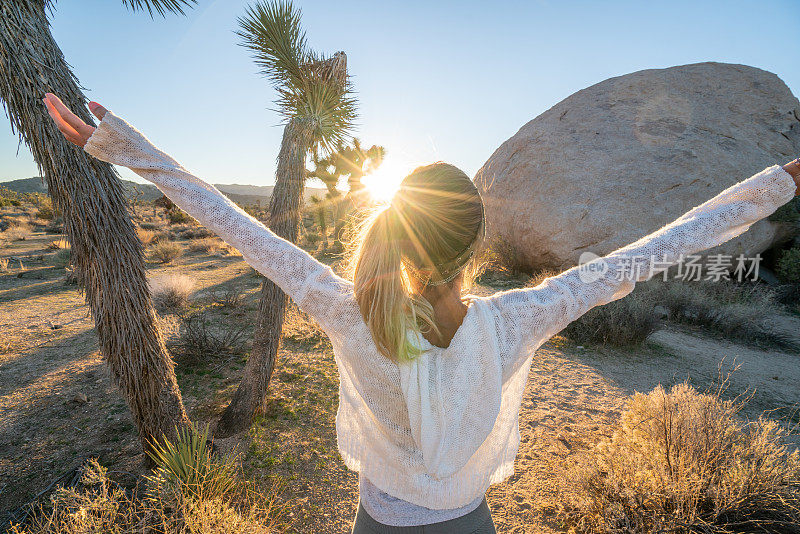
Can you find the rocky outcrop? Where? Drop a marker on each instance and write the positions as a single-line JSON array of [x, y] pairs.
[[620, 159]]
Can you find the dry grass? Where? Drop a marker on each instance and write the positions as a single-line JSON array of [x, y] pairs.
[[228, 296], [16, 219], [736, 311], [625, 322], [171, 292], [210, 245], [165, 251], [682, 461], [3, 265], [147, 237], [102, 506], [59, 244], [19, 232]]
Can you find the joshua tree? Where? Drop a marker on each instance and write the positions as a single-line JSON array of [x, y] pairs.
[[326, 170], [314, 97], [106, 253], [354, 163], [322, 219]]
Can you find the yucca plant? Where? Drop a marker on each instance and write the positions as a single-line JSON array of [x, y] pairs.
[[186, 467], [315, 98], [106, 253]]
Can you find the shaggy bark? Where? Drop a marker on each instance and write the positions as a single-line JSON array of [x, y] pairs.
[[284, 217], [106, 252]]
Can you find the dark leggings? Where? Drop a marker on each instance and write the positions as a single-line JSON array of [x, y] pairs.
[[478, 521]]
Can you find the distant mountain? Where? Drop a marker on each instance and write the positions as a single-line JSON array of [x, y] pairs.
[[241, 194]]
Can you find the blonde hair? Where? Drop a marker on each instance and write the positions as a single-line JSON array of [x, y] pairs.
[[430, 231]]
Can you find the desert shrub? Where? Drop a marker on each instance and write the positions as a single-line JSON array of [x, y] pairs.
[[149, 226], [788, 213], [230, 296], [210, 245], [789, 294], [55, 225], [9, 197], [178, 216], [737, 311], [62, 258], [197, 232], [45, 209], [20, 232], [171, 292], [623, 322], [788, 267], [164, 251], [683, 462], [99, 505], [501, 255], [201, 337], [147, 237]]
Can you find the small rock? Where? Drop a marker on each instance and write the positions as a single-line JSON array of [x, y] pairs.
[[662, 312], [80, 398]]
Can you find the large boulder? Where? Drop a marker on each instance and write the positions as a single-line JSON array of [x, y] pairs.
[[620, 159]]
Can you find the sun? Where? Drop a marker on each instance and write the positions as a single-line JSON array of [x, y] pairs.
[[384, 182]]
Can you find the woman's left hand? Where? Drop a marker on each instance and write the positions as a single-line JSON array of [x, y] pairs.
[[793, 168], [74, 129]]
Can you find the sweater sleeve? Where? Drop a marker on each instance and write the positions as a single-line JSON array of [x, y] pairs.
[[311, 284], [527, 317]]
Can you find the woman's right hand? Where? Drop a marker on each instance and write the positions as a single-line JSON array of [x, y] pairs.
[[74, 129]]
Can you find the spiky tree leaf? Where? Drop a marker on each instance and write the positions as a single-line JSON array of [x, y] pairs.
[[311, 88], [162, 7], [274, 35]]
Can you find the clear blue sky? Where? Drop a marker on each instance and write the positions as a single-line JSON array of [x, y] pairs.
[[443, 80]]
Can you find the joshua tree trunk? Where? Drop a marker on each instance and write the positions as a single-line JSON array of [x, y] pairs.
[[284, 218], [107, 254]]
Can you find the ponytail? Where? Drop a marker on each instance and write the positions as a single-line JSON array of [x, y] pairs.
[[430, 231], [382, 289]]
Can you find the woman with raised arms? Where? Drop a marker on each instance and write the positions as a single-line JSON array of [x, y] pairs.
[[431, 380]]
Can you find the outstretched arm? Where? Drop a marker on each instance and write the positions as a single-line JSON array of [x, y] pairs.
[[528, 317], [311, 284]]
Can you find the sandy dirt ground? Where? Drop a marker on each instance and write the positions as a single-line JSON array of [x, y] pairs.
[[58, 407]]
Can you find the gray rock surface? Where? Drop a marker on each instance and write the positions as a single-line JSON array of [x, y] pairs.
[[618, 160]]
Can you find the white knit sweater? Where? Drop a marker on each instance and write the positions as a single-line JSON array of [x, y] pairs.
[[439, 431]]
